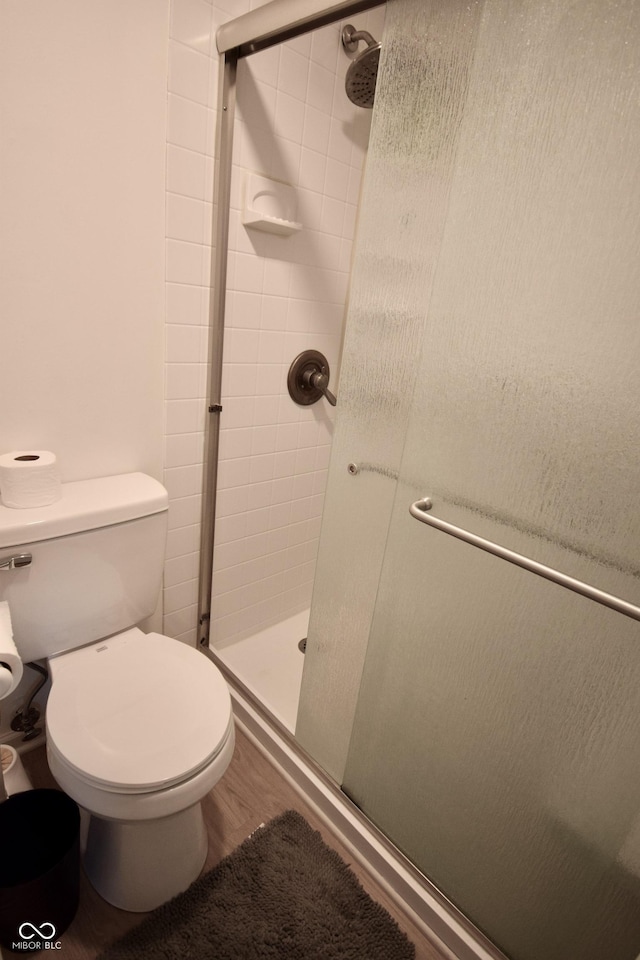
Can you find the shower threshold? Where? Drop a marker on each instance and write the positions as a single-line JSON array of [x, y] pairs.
[[269, 663]]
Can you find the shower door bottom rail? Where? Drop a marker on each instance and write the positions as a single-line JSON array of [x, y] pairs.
[[420, 510]]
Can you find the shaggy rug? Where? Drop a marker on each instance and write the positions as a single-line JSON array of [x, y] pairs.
[[283, 893]]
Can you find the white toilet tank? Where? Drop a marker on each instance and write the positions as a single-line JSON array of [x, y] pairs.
[[96, 562]]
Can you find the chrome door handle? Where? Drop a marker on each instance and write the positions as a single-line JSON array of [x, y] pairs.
[[420, 510], [16, 561]]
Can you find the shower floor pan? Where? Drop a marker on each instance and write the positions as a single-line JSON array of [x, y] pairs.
[[269, 663]]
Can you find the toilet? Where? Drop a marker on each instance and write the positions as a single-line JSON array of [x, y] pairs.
[[139, 726]]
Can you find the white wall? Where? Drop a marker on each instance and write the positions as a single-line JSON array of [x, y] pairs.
[[83, 129], [82, 155]]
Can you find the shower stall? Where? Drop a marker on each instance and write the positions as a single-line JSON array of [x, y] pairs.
[[471, 680], [296, 150]]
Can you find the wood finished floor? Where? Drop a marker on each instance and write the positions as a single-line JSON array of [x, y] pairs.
[[250, 793]]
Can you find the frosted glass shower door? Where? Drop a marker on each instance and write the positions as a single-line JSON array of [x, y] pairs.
[[496, 737]]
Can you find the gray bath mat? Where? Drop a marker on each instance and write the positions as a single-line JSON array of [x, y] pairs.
[[282, 894]]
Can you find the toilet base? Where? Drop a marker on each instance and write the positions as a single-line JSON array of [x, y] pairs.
[[137, 865]]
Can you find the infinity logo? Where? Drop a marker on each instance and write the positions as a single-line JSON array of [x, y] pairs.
[[37, 931]]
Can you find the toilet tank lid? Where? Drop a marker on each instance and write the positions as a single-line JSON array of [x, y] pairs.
[[84, 505]]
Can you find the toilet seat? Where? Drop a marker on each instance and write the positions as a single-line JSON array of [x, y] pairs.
[[137, 713]]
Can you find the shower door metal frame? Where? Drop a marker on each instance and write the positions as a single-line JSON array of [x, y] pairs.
[[257, 30]]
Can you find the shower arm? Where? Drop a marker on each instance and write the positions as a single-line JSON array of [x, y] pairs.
[[363, 35], [352, 37]]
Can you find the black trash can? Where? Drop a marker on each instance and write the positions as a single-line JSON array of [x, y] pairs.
[[39, 868]]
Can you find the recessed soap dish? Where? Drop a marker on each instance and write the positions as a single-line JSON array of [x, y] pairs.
[[269, 205]]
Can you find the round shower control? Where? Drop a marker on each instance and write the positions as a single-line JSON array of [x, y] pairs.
[[308, 378]]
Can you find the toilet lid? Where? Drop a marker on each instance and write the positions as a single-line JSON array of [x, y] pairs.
[[138, 712]]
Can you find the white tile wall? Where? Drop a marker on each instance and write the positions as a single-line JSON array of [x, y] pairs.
[[285, 294]]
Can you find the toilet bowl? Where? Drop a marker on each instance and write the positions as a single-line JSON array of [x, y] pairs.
[[139, 725], [125, 741]]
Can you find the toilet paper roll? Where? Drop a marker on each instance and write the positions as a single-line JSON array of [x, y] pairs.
[[29, 478], [10, 662]]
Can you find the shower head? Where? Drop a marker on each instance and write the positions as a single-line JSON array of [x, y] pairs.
[[360, 82]]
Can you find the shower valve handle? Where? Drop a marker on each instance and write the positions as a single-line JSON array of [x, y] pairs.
[[308, 379], [320, 381]]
